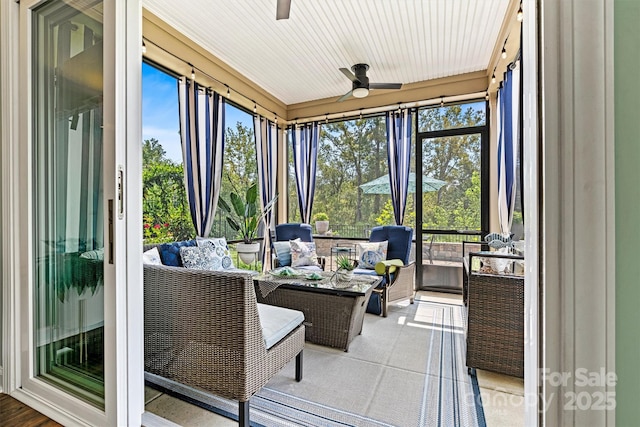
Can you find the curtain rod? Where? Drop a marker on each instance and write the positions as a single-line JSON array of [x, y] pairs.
[[229, 88], [443, 100]]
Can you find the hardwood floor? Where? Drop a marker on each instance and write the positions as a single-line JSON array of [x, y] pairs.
[[15, 413]]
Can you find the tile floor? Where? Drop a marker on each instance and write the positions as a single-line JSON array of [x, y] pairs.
[[502, 397]]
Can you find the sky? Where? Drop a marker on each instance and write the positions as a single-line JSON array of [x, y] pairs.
[[160, 111]]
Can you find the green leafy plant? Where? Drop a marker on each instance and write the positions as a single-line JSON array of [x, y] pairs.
[[165, 209], [344, 263], [247, 213], [320, 216]]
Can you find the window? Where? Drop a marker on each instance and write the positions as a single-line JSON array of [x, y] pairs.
[[240, 167], [164, 201], [166, 213], [350, 153]]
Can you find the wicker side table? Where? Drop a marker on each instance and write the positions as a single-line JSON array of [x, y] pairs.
[[495, 323]]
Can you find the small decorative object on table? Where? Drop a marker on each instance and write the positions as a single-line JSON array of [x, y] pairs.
[[286, 272], [345, 268]]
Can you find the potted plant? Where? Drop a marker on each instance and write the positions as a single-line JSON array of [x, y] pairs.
[[345, 268], [247, 221], [322, 222]]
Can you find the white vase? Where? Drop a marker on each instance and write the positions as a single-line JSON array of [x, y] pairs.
[[344, 276], [322, 227], [248, 252]]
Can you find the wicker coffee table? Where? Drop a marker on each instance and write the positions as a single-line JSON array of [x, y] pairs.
[[333, 315]]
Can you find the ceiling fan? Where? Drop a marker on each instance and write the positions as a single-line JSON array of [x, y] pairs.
[[361, 85], [282, 9]]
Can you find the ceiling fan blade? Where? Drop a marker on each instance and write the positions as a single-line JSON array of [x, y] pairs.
[[385, 85], [349, 75], [282, 9], [345, 96]]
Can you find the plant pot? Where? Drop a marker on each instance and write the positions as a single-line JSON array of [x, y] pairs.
[[248, 252], [344, 276], [322, 227]]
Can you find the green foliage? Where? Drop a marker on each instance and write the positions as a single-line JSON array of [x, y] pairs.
[[240, 167], [517, 217], [467, 212], [456, 160], [344, 263], [247, 215], [164, 202], [353, 152], [320, 216], [350, 153], [387, 217]]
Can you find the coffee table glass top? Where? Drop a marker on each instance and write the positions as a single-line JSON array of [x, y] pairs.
[[359, 284]]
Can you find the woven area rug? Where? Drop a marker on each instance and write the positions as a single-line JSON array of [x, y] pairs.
[[404, 370]]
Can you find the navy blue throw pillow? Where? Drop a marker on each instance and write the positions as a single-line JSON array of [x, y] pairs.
[[170, 252]]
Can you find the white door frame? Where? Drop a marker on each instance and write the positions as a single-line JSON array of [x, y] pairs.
[[531, 198], [9, 13], [124, 380], [577, 224]]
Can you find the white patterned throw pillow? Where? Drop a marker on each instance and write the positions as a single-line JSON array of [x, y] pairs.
[[303, 253], [197, 257], [221, 254], [371, 253], [151, 257]]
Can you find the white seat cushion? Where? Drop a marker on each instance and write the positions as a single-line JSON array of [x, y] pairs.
[[277, 322]]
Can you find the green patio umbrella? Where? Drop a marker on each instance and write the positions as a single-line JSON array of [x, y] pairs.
[[382, 186]]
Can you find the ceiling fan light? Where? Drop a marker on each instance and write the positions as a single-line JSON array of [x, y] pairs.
[[360, 92]]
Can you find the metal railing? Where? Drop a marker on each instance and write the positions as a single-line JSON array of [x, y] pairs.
[[344, 230]]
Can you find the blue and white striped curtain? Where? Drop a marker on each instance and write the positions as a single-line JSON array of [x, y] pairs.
[[399, 156], [508, 145], [304, 140], [202, 137], [267, 142]]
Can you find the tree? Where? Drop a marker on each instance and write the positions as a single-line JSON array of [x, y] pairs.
[[240, 171], [152, 152], [240, 167], [352, 152], [164, 201], [456, 160]]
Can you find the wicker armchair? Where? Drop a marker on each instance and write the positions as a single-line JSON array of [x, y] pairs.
[[202, 330], [401, 285], [399, 281]]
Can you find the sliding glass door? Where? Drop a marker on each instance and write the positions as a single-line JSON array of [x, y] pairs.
[[82, 291], [68, 198]]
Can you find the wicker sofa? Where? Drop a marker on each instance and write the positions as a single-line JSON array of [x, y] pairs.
[[203, 332]]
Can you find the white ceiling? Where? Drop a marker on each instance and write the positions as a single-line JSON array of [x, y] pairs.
[[297, 59]]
